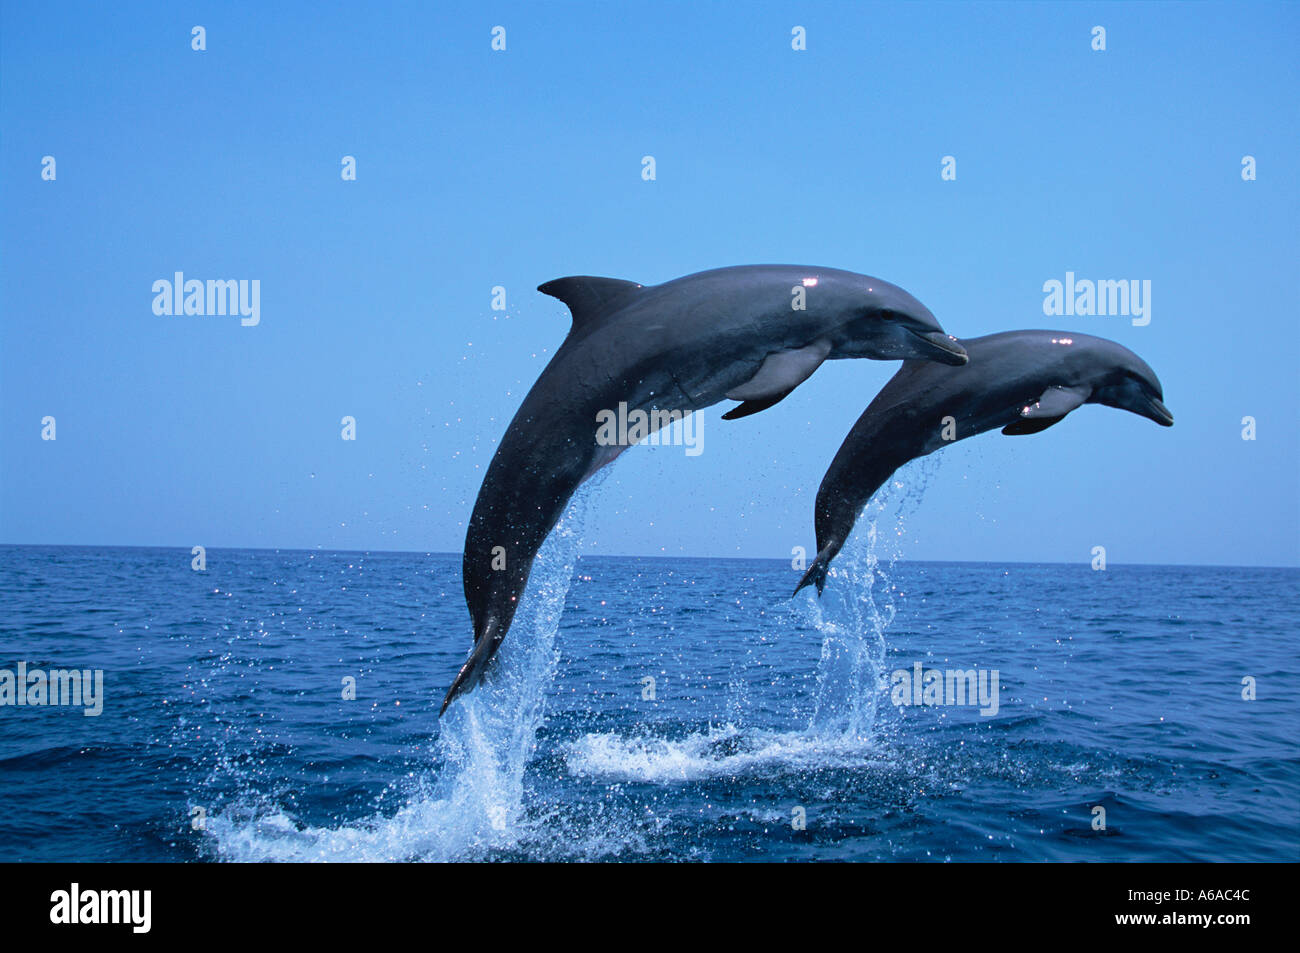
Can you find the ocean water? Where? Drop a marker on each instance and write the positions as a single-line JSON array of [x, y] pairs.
[[767, 733]]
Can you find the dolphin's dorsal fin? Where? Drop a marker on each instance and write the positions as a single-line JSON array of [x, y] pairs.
[[590, 298]]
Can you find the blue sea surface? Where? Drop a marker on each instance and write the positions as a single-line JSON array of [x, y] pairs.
[[655, 709]]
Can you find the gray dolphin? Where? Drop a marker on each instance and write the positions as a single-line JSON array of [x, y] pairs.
[[1021, 381], [684, 345]]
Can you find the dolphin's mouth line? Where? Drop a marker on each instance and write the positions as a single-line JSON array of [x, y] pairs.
[[944, 342], [1160, 413]]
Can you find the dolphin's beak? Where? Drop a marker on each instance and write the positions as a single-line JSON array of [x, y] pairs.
[[942, 348], [1157, 411]]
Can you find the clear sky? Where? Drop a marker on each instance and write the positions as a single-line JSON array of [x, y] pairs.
[[477, 168]]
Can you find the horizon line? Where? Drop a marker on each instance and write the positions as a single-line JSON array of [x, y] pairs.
[[431, 552]]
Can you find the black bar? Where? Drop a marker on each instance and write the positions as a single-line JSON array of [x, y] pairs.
[[298, 902]]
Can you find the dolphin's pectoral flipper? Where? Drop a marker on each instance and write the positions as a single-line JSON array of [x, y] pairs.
[[754, 406], [1057, 402], [780, 373], [1030, 425], [590, 298], [1054, 404]]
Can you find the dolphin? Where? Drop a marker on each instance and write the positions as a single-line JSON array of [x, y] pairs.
[[750, 333], [1021, 381]]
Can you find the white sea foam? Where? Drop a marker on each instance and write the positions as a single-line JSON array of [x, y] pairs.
[[720, 752]]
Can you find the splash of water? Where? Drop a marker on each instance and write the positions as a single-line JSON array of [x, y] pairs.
[[487, 740], [721, 751], [857, 609], [476, 802], [853, 617]]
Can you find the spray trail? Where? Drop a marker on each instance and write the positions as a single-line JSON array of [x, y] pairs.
[[857, 609], [487, 738], [476, 803], [853, 616]]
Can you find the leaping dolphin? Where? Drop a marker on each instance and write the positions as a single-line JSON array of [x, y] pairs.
[[751, 333], [1022, 381]]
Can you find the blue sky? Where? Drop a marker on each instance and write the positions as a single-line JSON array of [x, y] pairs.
[[478, 168]]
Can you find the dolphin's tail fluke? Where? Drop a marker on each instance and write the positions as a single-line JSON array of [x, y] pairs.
[[471, 673], [816, 573]]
